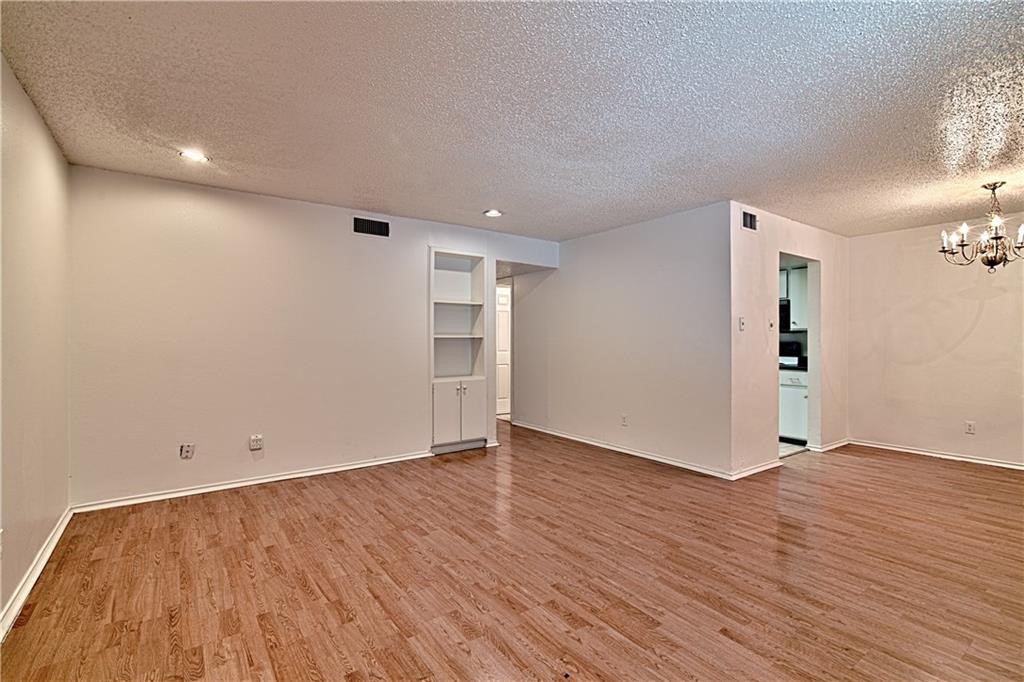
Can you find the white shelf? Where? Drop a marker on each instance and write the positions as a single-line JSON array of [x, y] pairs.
[[463, 377], [452, 301], [457, 314]]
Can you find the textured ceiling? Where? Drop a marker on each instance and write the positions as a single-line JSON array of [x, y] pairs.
[[571, 118]]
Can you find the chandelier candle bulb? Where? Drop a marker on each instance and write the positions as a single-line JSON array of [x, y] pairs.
[[945, 241]]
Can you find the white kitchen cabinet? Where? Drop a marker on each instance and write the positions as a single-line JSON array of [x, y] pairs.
[[797, 290], [783, 283], [793, 405], [460, 410]]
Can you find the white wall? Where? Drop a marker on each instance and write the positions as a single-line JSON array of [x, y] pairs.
[[34, 311], [932, 346], [635, 321], [755, 352], [205, 315]]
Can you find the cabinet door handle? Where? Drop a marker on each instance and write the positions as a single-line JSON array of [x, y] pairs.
[[458, 389]]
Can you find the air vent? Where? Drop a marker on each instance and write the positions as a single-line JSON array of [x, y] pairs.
[[749, 221], [378, 228]]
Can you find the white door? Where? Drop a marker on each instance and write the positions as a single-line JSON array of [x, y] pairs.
[[474, 409], [504, 349], [793, 412], [447, 412]]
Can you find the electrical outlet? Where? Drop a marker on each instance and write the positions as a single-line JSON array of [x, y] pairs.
[[625, 420], [187, 450], [969, 428], [256, 442]]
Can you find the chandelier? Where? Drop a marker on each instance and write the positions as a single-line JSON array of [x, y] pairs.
[[992, 246]]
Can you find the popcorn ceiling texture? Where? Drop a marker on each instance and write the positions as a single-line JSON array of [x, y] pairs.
[[571, 118]]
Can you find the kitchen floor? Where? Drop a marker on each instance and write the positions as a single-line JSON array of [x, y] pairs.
[[787, 449]]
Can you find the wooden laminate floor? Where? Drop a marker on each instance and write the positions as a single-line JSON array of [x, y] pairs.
[[547, 559]]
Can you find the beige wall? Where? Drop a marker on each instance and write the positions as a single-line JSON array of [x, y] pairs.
[[204, 315], [635, 321], [755, 351], [932, 346], [34, 311]]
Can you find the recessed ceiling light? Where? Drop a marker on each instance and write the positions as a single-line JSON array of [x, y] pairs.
[[492, 213], [193, 155]]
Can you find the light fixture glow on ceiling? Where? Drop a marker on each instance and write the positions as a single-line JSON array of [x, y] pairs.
[[492, 213], [194, 155]]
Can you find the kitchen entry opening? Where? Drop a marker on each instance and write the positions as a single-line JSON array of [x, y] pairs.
[[799, 354]]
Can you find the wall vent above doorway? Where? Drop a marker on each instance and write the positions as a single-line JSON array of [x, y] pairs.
[[749, 221], [378, 228]]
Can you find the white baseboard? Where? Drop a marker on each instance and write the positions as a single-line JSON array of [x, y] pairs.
[[717, 473], [20, 595], [942, 455], [828, 446], [756, 469], [241, 482]]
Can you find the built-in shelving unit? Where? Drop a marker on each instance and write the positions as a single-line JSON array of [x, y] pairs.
[[457, 315]]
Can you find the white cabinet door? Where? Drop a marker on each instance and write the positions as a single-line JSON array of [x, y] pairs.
[[793, 412], [783, 284], [447, 412], [798, 299], [474, 409]]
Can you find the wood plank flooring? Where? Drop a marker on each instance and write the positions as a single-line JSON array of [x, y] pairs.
[[547, 559]]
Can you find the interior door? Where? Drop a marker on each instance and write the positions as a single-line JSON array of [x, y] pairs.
[[504, 349], [474, 409], [447, 412]]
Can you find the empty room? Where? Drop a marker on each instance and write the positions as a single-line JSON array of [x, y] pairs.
[[512, 341]]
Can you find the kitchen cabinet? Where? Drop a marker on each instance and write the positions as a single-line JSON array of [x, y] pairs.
[[460, 409], [793, 405], [797, 289]]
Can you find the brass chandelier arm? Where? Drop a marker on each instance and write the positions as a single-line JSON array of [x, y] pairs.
[[952, 260]]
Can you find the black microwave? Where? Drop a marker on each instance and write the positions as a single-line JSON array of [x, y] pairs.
[[784, 324]]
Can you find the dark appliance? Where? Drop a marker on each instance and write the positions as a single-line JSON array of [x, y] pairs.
[[784, 324]]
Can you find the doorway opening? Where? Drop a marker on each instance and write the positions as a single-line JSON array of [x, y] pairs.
[[503, 348], [799, 354], [512, 279]]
